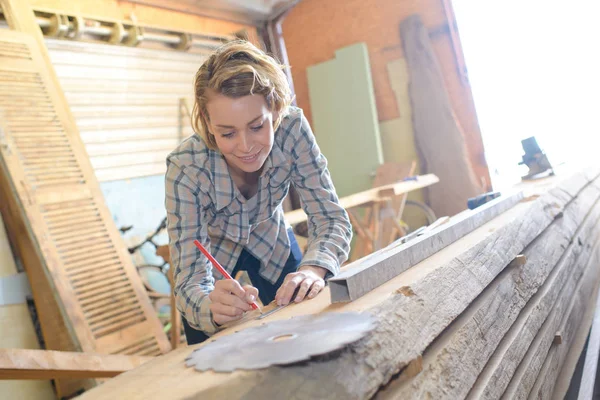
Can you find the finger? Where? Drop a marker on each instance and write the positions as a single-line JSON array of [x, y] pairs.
[[304, 287], [221, 319], [231, 300], [225, 310], [286, 290], [251, 293], [232, 286], [316, 288]]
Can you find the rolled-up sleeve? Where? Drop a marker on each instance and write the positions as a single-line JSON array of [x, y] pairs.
[[330, 230], [192, 271]]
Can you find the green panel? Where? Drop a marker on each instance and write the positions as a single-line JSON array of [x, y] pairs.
[[344, 118]]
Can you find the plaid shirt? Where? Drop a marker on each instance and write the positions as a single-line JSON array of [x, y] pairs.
[[203, 203]]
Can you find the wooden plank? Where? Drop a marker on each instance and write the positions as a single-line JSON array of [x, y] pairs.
[[439, 137], [343, 111], [583, 300], [367, 196], [369, 272], [590, 367], [533, 363], [412, 310], [48, 364], [477, 333], [496, 375], [572, 358]]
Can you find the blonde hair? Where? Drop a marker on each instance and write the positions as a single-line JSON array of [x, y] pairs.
[[238, 69]]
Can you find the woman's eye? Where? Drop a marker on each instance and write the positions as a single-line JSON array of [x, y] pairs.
[[227, 135], [257, 128]]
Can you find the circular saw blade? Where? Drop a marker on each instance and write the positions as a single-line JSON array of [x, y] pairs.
[[281, 342]]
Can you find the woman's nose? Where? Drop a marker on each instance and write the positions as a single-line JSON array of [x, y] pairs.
[[244, 143]]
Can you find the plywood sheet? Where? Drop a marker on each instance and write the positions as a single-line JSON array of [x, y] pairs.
[[345, 118]]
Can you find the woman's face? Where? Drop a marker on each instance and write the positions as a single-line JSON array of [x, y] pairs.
[[243, 130]]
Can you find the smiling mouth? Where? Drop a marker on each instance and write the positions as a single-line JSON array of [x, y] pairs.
[[250, 158]]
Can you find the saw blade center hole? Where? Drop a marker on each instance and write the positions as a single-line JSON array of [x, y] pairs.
[[281, 338]]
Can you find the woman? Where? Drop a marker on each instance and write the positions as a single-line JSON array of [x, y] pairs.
[[225, 186]]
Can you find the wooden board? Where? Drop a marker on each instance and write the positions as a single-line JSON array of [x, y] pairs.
[[569, 324], [477, 333], [558, 287], [412, 310], [48, 364], [17, 331], [439, 137], [56, 211], [588, 378], [343, 111], [365, 197]]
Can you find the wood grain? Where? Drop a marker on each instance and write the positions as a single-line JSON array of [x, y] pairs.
[[477, 333]]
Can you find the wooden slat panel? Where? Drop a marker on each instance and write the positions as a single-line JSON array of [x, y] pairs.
[[126, 103], [61, 210]]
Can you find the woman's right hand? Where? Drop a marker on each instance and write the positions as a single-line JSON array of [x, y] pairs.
[[229, 300]]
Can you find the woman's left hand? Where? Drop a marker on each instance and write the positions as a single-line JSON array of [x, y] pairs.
[[310, 280]]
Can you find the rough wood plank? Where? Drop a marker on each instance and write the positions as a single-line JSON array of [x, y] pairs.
[[439, 137], [532, 363], [546, 381], [48, 364], [571, 362], [497, 374], [475, 335], [588, 378], [369, 272]]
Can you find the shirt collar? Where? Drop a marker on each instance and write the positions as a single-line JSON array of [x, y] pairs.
[[225, 188]]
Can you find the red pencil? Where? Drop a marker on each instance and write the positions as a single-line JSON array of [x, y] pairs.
[[218, 266]]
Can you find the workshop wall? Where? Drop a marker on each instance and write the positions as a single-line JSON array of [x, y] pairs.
[[314, 30]]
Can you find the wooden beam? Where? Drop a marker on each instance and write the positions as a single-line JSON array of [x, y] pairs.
[[367, 273], [588, 378], [501, 311], [49, 364], [367, 196]]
